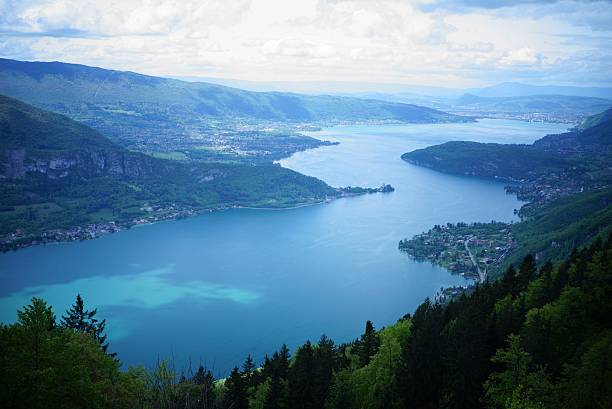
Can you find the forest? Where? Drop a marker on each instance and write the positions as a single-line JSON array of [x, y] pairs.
[[537, 338]]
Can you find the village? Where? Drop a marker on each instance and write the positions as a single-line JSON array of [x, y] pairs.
[[470, 250], [21, 238]]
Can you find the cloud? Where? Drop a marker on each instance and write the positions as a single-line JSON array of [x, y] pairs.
[[524, 56], [466, 5], [407, 41], [295, 47]]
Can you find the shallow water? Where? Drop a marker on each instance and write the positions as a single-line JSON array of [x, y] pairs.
[[219, 286]]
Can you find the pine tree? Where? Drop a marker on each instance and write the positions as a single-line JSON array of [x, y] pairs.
[[248, 369], [421, 370], [235, 397], [205, 378], [39, 320], [527, 272], [301, 376], [275, 398], [283, 362], [368, 345], [79, 319], [277, 370], [325, 355]]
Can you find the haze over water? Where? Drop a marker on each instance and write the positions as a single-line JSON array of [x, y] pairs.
[[222, 285]]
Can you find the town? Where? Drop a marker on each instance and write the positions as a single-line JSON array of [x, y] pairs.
[[471, 250]]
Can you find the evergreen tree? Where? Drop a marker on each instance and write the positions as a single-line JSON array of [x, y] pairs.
[[368, 345], [301, 376], [278, 369], [509, 282], [42, 366], [206, 379], [38, 320], [275, 397], [517, 381], [283, 362], [248, 370], [324, 356], [421, 371], [79, 319], [527, 272], [235, 397]]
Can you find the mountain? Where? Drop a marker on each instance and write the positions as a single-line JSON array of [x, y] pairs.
[[60, 85], [59, 174], [555, 108], [552, 166], [199, 120], [534, 104], [513, 89], [343, 88], [565, 178], [597, 119]]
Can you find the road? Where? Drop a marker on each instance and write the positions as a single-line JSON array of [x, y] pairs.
[[481, 275]]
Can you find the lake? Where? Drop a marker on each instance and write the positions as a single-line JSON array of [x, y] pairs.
[[212, 289]]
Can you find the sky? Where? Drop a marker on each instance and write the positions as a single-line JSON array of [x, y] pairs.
[[461, 43]]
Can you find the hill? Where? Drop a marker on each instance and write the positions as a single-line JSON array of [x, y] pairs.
[[532, 107], [63, 180], [193, 120], [545, 107], [515, 89], [566, 178], [61, 85], [552, 166]]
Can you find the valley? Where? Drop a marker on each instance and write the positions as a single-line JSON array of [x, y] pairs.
[[309, 204], [192, 120]]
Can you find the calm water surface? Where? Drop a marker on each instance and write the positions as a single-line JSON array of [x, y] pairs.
[[217, 287]]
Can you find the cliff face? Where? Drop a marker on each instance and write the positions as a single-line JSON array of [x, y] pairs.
[[21, 163], [35, 143]]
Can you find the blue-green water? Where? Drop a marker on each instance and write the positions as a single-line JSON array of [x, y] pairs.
[[217, 287]]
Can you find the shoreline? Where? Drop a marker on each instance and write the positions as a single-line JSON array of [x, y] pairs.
[[94, 231]]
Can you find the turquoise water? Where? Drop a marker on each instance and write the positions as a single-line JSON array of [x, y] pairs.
[[214, 288]]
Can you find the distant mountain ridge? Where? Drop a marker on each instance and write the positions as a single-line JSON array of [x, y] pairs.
[[385, 90], [61, 86], [514, 89], [539, 107], [553, 105], [203, 122]]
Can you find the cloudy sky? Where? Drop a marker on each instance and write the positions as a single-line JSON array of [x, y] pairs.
[[425, 42]]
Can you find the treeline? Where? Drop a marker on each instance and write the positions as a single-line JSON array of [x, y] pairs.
[[535, 339]]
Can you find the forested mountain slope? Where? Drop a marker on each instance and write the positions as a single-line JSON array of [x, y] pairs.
[[566, 178], [57, 174], [553, 166]]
